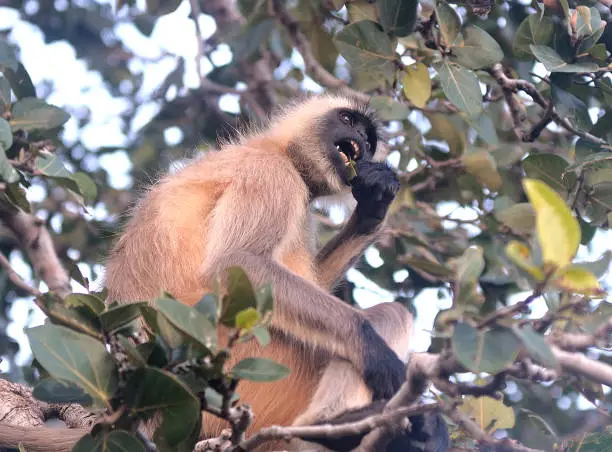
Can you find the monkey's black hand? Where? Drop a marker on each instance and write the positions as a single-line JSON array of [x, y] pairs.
[[383, 371], [374, 187]]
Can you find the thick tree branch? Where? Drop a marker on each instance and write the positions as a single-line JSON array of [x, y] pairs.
[[36, 241], [22, 419]]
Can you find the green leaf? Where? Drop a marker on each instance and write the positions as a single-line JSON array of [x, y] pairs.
[[208, 306], [259, 369], [133, 354], [51, 165], [598, 267], [571, 108], [35, 114], [116, 318], [78, 318], [240, 295], [53, 391], [534, 30], [323, 47], [489, 351], [152, 390], [485, 128], [16, 194], [162, 7], [518, 217], [558, 230], [5, 94], [6, 135], [417, 84], [389, 109], [93, 303], [553, 62], [261, 335], [75, 358], [87, 187], [427, 266], [478, 49], [535, 345], [368, 49], [7, 172], [8, 58], [448, 21], [359, 10], [114, 441], [20, 81], [548, 168], [461, 87], [397, 16], [189, 321], [589, 27]]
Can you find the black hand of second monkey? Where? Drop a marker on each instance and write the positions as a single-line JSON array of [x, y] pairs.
[[374, 187]]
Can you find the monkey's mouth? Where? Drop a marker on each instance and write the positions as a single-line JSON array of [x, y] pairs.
[[349, 150]]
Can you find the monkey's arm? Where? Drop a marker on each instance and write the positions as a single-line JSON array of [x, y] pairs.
[[374, 188], [245, 230]]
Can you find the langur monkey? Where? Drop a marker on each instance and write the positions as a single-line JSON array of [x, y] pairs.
[[248, 205]]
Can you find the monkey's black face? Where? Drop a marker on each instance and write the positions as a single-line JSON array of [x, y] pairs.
[[351, 136]]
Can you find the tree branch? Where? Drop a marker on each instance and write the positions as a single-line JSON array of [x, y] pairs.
[[307, 433], [312, 66], [511, 86], [37, 243]]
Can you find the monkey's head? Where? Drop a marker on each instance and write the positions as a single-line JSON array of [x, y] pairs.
[[349, 135], [324, 135]]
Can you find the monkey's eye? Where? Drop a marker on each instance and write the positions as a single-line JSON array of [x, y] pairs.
[[346, 118]]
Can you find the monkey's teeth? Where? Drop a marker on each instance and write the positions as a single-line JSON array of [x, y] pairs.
[[345, 158], [355, 148]]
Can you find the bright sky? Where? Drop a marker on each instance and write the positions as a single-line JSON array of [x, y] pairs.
[[76, 88]]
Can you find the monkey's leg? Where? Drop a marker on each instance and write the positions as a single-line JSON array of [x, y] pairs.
[[343, 397], [304, 311], [341, 387]]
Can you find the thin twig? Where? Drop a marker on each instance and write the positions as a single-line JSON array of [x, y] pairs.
[[16, 279], [510, 86]]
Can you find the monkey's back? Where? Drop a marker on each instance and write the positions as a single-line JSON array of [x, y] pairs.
[[164, 245]]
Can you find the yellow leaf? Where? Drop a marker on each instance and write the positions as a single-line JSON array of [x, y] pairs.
[[404, 198], [558, 230], [247, 318], [482, 166], [442, 128], [578, 280], [521, 256], [417, 84], [489, 413]]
